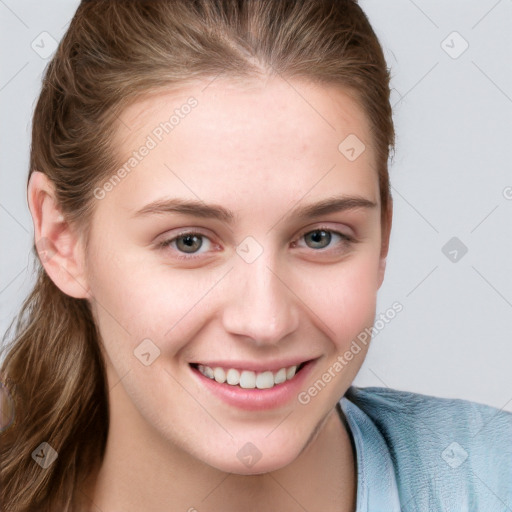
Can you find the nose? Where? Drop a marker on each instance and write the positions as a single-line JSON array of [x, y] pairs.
[[260, 304]]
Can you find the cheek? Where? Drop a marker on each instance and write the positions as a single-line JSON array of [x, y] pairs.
[[345, 298], [135, 301]]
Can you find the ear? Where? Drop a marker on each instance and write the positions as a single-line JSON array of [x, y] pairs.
[[386, 233], [59, 247]]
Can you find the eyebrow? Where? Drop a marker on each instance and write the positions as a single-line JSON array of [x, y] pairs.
[[200, 209]]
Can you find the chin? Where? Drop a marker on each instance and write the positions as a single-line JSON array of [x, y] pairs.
[[257, 457], [273, 463]]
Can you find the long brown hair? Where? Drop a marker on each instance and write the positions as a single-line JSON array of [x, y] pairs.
[[113, 53]]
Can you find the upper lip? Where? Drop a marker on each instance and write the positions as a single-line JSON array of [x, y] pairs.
[[255, 366]]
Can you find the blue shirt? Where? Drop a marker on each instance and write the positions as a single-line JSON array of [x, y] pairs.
[[420, 453]]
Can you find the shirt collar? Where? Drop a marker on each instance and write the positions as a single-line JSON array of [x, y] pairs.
[[377, 489]]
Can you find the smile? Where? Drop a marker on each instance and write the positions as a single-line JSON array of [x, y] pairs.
[[249, 379]]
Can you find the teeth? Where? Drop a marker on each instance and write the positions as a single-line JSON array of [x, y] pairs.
[[290, 372], [208, 372], [280, 376], [248, 379], [265, 380], [219, 375], [233, 377]]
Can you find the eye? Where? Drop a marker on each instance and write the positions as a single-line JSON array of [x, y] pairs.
[[321, 237], [189, 242]]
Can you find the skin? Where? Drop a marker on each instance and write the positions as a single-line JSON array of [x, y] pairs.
[[259, 149]]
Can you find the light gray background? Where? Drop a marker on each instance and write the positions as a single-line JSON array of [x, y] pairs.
[[451, 177]]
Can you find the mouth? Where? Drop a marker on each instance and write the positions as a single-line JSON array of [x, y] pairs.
[[248, 379]]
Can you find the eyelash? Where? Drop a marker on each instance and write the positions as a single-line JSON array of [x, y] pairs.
[[163, 245]]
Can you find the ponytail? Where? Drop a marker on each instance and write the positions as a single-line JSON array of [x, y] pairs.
[[57, 382]]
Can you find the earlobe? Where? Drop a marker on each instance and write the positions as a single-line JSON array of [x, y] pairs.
[[59, 247]]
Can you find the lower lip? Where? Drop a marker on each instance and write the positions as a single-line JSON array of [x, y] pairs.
[[258, 399]]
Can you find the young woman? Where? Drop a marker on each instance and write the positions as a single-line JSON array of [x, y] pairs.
[[209, 190]]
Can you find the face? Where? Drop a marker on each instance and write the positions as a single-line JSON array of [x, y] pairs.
[[250, 280]]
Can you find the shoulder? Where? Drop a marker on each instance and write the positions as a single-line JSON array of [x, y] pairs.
[[408, 409], [444, 450]]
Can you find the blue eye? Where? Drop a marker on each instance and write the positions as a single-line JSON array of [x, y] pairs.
[[188, 243]]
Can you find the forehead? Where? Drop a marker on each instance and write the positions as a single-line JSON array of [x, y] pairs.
[[256, 104], [253, 138]]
